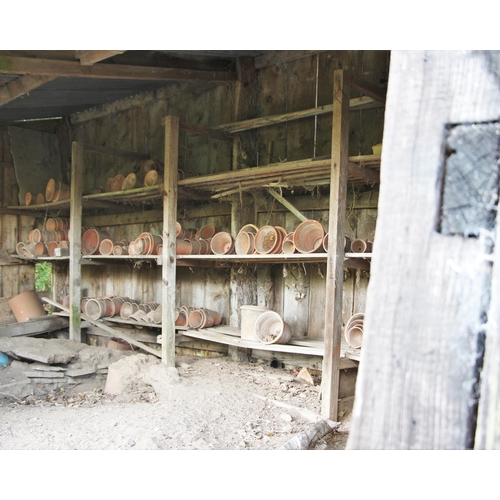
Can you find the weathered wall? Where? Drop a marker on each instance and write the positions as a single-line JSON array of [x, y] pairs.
[[14, 278], [296, 291]]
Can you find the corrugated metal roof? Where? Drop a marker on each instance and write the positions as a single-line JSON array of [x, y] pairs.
[[65, 95]]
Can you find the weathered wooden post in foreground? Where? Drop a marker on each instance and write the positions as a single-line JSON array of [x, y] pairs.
[[429, 371]]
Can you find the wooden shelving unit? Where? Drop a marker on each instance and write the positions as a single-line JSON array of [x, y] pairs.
[[335, 171]]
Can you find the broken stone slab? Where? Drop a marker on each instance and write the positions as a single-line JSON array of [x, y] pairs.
[[45, 368], [48, 351], [81, 372]]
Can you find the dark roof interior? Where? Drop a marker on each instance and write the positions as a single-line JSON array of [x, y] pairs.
[[49, 84]]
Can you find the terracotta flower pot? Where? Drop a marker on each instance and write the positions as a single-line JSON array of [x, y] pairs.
[[222, 244], [152, 178], [271, 329], [117, 183], [130, 181], [183, 247], [244, 243], [267, 240], [40, 199], [308, 236], [91, 240], [106, 247], [26, 305], [288, 246]]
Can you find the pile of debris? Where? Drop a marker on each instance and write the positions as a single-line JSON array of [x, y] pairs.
[[37, 367]]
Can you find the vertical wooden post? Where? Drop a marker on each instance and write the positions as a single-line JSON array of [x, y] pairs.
[[75, 242], [169, 252], [334, 269]]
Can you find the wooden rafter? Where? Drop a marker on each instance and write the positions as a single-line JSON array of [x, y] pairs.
[[90, 57], [21, 86], [369, 89], [59, 68]]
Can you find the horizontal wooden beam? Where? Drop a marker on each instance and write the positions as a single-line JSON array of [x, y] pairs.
[[90, 57], [282, 56], [59, 68], [354, 105], [369, 89], [21, 86], [34, 326]]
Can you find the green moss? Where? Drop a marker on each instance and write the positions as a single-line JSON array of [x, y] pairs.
[[6, 63]]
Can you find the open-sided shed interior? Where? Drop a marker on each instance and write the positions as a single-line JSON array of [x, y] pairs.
[[269, 138]]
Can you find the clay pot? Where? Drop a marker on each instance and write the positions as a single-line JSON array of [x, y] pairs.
[[50, 189], [288, 246], [51, 247], [29, 199], [206, 232], [222, 244], [268, 240], [244, 243], [308, 236], [353, 331], [181, 317], [157, 315], [152, 178], [195, 247], [147, 166], [26, 305], [91, 240], [361, 246], [62, 192], [40, 199], [249, 228], [271, 329], [117, 183], [249, 315], [130, 181], [107, 186], [95, 308], [127, 309], [183, 247], [40, 249], [106, 247], [178, 229], [205, 248], [197, 319]]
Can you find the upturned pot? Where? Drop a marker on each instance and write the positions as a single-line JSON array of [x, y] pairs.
[[222, 243]]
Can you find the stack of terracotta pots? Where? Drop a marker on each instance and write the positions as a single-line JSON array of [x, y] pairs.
[[145, 244], [45, 241], [91, 241], [196, 242], [151, 173], [102, 307], [193, 317], [56, 191], [353, 331], [245, 240], [120, 182]]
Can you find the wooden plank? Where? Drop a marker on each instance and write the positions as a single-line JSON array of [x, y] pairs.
[[75, 241], [368, 89], [265, 121], [21, 86], [169, 246], [429, 301], [59, 68], [34, 326], [334, 270], [213, 335], [90, 57], [112, 331], [282, 56]]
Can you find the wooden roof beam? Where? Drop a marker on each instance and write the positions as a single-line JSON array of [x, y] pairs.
[[59, 68], [368, 89], [21, 86], [90, 57]]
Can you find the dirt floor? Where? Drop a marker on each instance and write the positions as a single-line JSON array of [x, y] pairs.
[[203, 404]]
